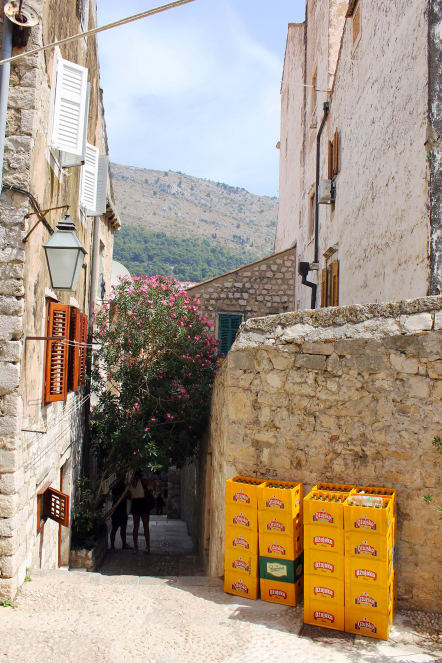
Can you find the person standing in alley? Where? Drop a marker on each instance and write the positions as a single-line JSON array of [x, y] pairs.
[[142, 503], [119, 516], [159, 503]]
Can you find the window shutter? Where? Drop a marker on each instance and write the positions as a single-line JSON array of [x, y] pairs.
[[74, 350], [330, 159], [56, 364], [69, 108], [324, 288], [56, 506], [336, 153], [334, 290], [228, 326], [103, 167], [67, 159], [89, 177], [356, 22], [83, 348]]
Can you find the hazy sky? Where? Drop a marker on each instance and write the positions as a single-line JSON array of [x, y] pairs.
[[196, 89]]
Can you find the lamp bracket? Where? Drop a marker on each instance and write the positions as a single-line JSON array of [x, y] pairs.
[[41, 219]]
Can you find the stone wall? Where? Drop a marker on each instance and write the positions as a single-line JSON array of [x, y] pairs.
[[261, 288], [348, 394]]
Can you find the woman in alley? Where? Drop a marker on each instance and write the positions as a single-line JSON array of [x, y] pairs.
[[142, 503]]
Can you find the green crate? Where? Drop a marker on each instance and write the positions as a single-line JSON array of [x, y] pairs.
[[282, 570]]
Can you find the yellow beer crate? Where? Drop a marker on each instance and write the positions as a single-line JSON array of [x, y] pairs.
[[280, 496], [334, 487], [320, 588], [324, 508], [245, 586], [243, 490], [362, 622], [286, 593], [324, 563], [382, 492], [368, 571], [360, 543], [368, 518], [280, 546], [240, 515], [279, 523], [323, 537], [324, 614], [375, 598], [242, 539], [240, 561]]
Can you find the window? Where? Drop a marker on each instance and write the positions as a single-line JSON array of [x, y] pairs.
[[228, 325], [65, 361], [330, 285], [52, 504], [311, 216], [334, 165], [83, 14], [70, 108]]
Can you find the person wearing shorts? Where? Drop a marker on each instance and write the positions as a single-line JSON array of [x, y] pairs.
[[142, 502]]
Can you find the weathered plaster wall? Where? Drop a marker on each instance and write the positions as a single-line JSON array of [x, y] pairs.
[[380, 222], [347, 394], [263, 287], [36, 441]]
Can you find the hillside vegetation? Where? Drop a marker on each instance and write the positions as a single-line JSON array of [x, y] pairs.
[[188, 227]]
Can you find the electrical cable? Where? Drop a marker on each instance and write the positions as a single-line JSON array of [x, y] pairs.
[[102, 28]]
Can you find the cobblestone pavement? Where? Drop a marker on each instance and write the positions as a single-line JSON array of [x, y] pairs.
[[127, 614]]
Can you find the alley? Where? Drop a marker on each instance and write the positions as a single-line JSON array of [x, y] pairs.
[[90, 617]]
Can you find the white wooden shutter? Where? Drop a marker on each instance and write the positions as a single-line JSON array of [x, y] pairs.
[[89, 177], [69, 108], [103, 166], [67, 159]]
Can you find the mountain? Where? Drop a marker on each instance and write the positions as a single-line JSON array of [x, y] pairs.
[[186, 226]]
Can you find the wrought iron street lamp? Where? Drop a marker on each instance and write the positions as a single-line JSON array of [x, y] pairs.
[[65, 256]]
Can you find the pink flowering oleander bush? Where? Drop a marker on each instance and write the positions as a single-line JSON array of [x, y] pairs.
[[153, 375]]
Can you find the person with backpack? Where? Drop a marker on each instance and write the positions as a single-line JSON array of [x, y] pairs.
[[142, 503]]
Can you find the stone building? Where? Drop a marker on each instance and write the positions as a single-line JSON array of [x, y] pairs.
[[360, 179], [260, 288], [55, 154]]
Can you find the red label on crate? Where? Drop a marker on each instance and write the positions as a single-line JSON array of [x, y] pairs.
[[278, 592], [324, 539], [275, 525], [324, 590], [365, 573], [365, 599], [324, 565], [276, 548], [365, 549], [323, 516], [239, 542], [241, 497], [318, 614], [241, 519], [365, 624], [366, 523], [273, 502], [240, 587], [241, 564]]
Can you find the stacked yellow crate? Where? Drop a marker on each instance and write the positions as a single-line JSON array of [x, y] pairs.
[[280, 541], [370, 530], [324, 561], [241, 545]]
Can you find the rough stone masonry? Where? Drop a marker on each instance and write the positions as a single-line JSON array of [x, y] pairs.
[[347, 394]]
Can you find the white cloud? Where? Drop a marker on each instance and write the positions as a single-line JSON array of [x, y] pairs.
[[194, 92]]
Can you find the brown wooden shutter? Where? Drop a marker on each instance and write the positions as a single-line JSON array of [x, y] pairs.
[[57, 352], [334, 290], [56, 506], [83, 348], [74, 350], [335, 166], [324, 288], [356, 21]]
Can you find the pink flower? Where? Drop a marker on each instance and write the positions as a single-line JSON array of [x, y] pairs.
[[153, 419], [146, 429]]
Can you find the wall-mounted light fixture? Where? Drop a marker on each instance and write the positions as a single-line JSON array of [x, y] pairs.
[[65, 256]]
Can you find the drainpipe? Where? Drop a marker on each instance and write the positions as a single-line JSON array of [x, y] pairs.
[[4, 88]]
